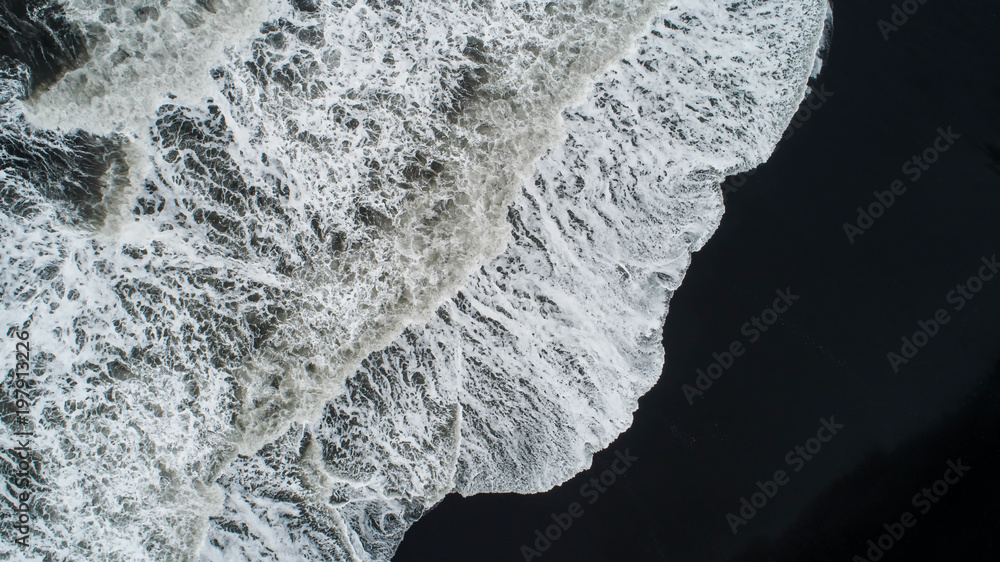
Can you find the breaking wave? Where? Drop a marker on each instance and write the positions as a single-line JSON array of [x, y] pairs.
[[293, 272]]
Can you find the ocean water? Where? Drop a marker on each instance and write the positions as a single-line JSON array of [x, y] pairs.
[[294, 272]]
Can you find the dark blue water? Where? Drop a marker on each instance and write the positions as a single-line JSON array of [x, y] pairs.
[[827, 355]]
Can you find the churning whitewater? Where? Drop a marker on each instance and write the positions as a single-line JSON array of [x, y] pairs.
[[294, 271]]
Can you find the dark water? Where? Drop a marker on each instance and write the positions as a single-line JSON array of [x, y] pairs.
[[36, 33], [826, 356]]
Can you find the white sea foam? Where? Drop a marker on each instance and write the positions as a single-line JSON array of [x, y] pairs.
[[338, 179], [541, 358], [140, 52]]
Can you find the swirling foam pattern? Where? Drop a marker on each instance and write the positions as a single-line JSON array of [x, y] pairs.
[[383, 251]]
